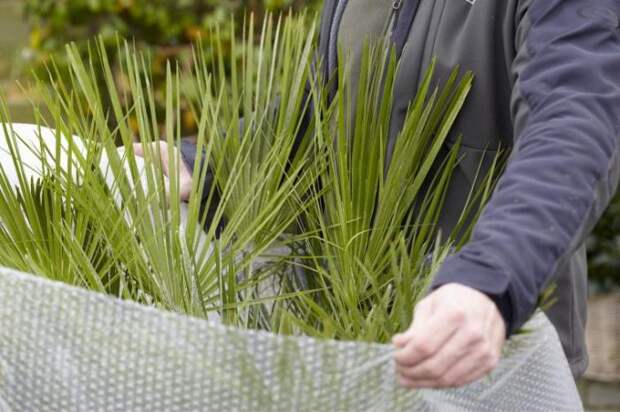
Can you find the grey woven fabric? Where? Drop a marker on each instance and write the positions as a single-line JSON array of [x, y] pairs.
[[66, 349]]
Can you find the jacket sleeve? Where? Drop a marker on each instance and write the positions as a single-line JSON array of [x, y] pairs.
[[189, 155], [564, 166]]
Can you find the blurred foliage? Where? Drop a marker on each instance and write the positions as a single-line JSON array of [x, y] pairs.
[[604, 249], [165, 28]]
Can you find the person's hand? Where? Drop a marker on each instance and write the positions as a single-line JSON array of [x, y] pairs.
[[455, 338], [185, 176]]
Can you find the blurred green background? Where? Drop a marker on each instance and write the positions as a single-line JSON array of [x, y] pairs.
[[164, 29], [14, 33]]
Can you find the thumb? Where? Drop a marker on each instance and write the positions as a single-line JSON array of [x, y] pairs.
[[422, 312], [138, 149], [400, 340]]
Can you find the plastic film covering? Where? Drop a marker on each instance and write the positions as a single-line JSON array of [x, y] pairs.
[[67, 349]]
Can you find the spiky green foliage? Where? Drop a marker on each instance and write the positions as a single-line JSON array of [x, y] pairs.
[[314, 182], [379, 243]]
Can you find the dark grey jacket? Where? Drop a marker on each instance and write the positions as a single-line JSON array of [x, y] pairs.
[[548, 86]]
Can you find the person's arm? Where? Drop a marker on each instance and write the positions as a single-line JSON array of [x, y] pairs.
[[561, 175], [189, 155]]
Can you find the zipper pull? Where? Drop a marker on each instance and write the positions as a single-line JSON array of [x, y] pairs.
[[396, 4]]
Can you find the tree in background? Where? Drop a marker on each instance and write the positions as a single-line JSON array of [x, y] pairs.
[[166, 28]]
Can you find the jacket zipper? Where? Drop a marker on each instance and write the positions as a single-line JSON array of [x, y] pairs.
[[396, 6]]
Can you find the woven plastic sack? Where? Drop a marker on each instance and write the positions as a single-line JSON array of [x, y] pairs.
[[67, 349]]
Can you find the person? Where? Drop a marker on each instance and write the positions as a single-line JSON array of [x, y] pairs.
[[547, 87]]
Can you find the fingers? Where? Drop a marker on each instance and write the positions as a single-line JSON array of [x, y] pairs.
[[427, 336], [162, 150], [464, 371], [138, 149], [460, 362], [423, 312], [185, 175], [458, 347], [457, 344]]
